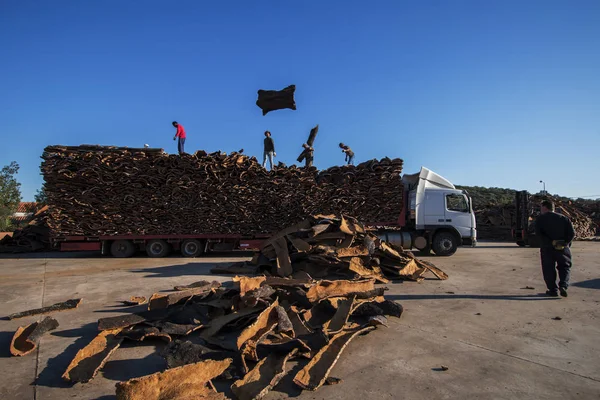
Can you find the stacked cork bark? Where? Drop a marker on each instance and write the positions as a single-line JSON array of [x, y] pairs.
[[100, 190], [495, 222]]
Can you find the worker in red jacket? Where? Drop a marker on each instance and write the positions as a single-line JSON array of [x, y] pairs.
[[181, 135]]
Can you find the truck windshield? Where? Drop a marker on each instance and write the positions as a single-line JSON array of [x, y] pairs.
[[457, 202]]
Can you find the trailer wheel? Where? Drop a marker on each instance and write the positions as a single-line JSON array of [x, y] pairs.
[[122, 248], [444, 244], [158, 248], [192, 248]]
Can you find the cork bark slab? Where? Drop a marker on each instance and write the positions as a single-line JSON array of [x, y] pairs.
[[315, 373], [160, 301], [89, 360], [140, 333], [218, 323], [373, 308], [123, 321], [339, 319], [246, 284], [64, 306], [263, 377], [325, 289], [27, 337], [190, 381], [206, 285], [135, 301]]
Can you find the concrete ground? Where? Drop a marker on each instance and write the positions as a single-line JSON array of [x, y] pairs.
[[499, 340]]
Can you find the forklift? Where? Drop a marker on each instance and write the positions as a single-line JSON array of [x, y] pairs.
[[523, 230]]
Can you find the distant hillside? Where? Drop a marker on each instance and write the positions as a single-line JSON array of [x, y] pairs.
[[493, 200], [483, 196]]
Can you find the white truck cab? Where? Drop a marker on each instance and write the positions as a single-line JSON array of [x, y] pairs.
[[437, 217]]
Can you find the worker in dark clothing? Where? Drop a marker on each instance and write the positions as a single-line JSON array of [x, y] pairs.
[[181, 135], [268, 150], [349, 153], [556, 234], [307, 155]]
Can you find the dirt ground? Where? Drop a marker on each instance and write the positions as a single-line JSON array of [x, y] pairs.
[[499, 339]]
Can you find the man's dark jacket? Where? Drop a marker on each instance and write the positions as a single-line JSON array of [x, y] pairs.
[[552, 226], [269, 145]]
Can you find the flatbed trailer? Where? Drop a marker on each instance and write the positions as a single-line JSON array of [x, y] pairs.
[[193, 245], [434, 216]]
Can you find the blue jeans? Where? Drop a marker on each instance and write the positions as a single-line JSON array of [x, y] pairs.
[[269, 155], [180, 144], [350, 160]]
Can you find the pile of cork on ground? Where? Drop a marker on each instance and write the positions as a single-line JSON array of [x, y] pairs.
[[316, 292]]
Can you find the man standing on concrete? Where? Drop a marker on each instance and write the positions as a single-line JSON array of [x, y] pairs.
[[181, 135], [556, 234], [349, 153], [268, 150]]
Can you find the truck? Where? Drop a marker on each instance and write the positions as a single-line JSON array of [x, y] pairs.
[[435, 217]]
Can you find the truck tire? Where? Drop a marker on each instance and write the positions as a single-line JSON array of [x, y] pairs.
[[444, 244], [192, 248], [157, 248], [122, 248]]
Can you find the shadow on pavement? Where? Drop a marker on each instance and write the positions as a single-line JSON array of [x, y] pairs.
[[123, 370], [169, 271], [97, 254], [124, 309], [286, 387], [51, 376], [540, 296], [5, 339], [589, 284], [107, 397], [76, 332], [508, 246], [51, 254]]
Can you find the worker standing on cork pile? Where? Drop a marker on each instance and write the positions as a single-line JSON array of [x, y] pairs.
[[268, 150], [181, 135], [349, 153], [307, 155], [556, 234]]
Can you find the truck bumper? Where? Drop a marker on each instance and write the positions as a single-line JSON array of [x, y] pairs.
[[469, 242]]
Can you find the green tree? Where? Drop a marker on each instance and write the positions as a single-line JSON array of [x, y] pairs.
[[10, 194], [40, 196]]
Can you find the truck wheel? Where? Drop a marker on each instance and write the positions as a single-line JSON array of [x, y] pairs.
[[122, 248], [158, 248], [521, 243], [444, 244], [192, 248]]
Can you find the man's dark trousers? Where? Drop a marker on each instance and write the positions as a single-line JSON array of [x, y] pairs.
[[551, 261], [180, 145]]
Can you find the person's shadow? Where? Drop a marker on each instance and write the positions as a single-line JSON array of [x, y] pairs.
[[589, 284]]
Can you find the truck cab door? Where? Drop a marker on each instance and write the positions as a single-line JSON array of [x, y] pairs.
[[458, 213], [433, 204]]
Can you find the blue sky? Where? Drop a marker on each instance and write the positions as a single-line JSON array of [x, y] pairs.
[[489, 93]]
